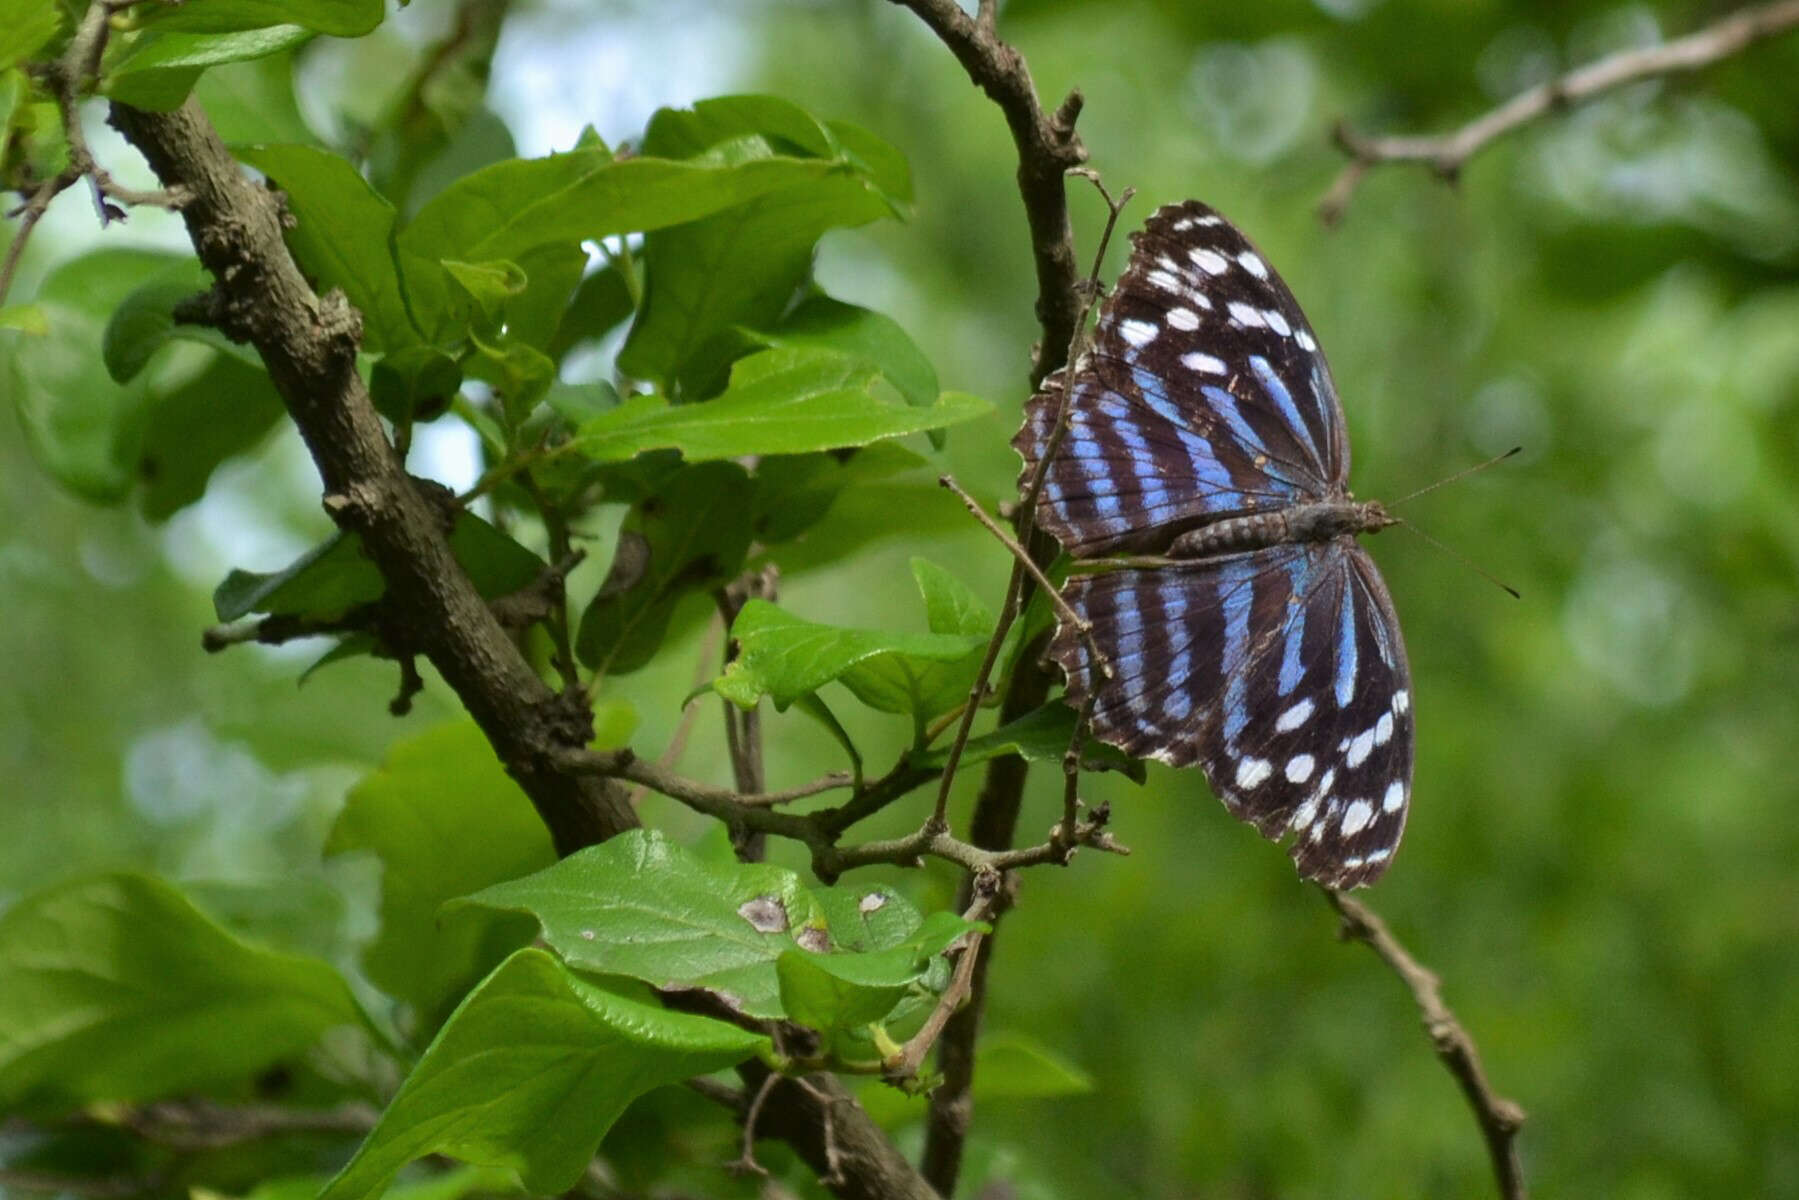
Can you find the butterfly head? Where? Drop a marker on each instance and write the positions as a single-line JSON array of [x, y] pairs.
[[1373, 516]]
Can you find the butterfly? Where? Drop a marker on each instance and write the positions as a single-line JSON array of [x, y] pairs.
[[1201, 486]]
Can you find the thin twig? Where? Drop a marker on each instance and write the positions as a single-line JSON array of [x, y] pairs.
[[1499, 1118], [902, 1068], [819, 831], [1064, 613], [1016, 582], [745, 1163], [1447, 154]]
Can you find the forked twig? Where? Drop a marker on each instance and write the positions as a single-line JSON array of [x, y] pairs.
[[1447, 154], [1498, 1117]]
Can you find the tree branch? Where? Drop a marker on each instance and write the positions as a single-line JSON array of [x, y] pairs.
[[1499, 1118], [1448, 153], [309, 344], [1048, 148]]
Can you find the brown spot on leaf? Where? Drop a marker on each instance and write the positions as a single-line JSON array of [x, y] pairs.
[[766, 914]]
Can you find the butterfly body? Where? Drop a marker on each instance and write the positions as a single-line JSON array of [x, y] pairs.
[[1201, 485], [1308, 522]]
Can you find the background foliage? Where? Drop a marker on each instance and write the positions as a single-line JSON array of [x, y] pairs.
[[1599, 859]]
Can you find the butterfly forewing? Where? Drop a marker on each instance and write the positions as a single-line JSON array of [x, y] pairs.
[[1278, 669]]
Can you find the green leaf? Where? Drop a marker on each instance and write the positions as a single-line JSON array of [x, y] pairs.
[[706, 279], [339, 18], [222, 411], [820, 998], [166, 428], [693, 533], [1039, 736], [26, 26], [504, 209], [160, 68], [24, 318], [600, 304], [1014, 1066], [254, 101], [794, 492], [81, 426], [785, 657], [321, 585], [144, 322], [489, 285], [333, 577], [832, 992], [444, 819], [552, 271], [643, 907], [779, 402], [860, 333], [414, 383], [519, 373], [117, 988], [530, 1072], [688, 133], [950, 605], [343, 235]]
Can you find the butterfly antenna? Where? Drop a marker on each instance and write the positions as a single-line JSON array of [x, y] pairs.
[[1462, 474], [1485, 574]]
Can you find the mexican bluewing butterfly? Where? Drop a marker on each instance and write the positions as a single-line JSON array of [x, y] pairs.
[[1256, 638]]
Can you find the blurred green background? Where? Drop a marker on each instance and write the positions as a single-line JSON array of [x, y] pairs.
[[1601, 856]]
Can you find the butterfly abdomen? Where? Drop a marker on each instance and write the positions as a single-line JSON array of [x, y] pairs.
[[1317, 522]]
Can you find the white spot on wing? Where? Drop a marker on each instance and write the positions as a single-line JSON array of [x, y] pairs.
[[1137, 333], [1359, 748], [1356, 817], [1277, 322], [1402, 700], [1298, 715], [1305, 340], [1167, 281], [1252, 771], [1394, 800], [1300, 767], [1183, 319], [1383, 729], [1253, 263], [1194, 360], [1209, 261], [1304, 816], [1246, 315]]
